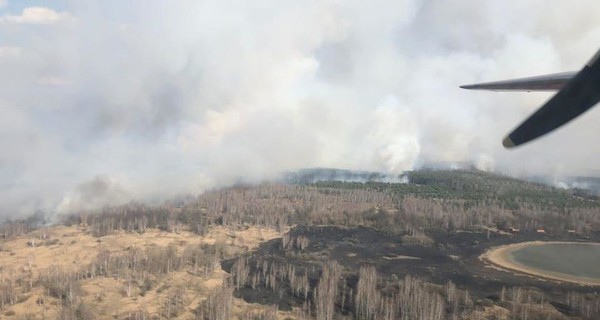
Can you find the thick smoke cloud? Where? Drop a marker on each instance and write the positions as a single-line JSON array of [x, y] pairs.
[[108, 101]]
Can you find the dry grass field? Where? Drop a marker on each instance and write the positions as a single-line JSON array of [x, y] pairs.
[[70, 248]]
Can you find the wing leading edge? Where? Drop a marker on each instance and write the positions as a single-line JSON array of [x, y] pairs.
[[579, 91], [551, 82]]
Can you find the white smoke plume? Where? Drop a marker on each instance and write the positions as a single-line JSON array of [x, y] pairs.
[[108, 101]]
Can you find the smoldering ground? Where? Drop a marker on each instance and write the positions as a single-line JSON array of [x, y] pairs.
[[107, 101]]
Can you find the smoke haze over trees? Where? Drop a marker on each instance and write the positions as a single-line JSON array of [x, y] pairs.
[[107, 101]]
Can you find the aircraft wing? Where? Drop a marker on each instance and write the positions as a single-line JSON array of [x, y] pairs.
[[550, 82], [579, 94], [579, 91]]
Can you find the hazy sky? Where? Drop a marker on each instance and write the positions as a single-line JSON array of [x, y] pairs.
[[107, 101]]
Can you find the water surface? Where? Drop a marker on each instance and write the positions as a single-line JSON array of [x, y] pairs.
[[572, 259]]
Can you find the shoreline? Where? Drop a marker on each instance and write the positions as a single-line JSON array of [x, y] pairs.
[[500, 258]]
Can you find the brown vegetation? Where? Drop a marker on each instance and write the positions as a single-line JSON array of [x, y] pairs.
[[127, 275], [138, 261]]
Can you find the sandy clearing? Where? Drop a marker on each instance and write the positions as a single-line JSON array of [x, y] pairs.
[[71, 247], [500, 257]]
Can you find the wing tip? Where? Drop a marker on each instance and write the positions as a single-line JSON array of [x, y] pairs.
[[508, 143]]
